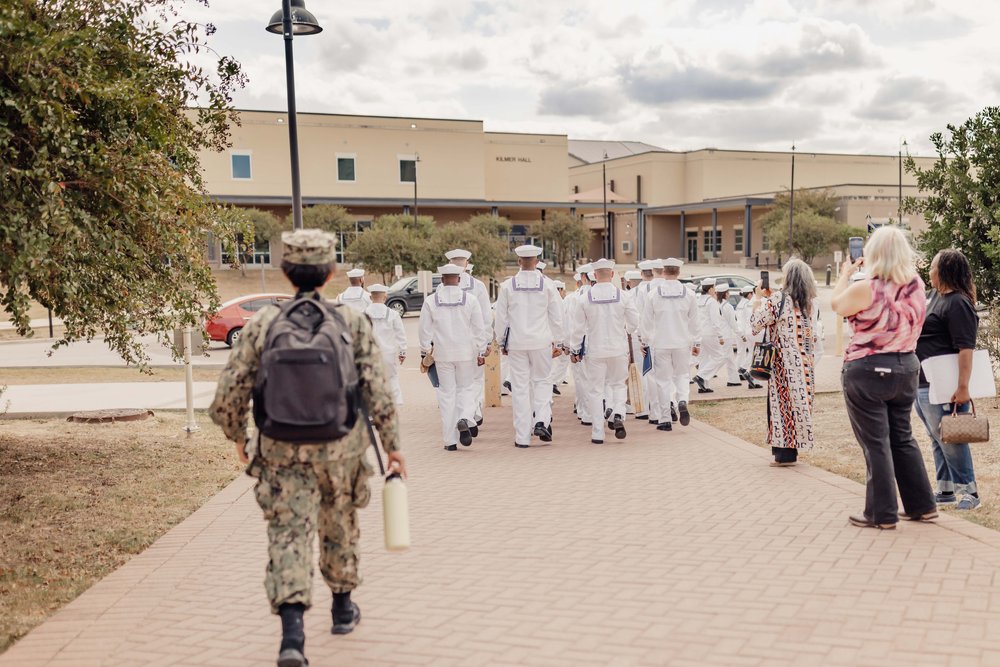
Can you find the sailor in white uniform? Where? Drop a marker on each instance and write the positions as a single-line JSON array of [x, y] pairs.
[[581, 387], [355, 296], [529, 327], [713, 340], [601, 322], [476, 288], [669, 324], [646, 268], [560, 365], [632, 279], [452, 328], [745, 338], [391, 337]]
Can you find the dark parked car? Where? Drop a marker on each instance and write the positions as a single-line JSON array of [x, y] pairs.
[[404, 297]]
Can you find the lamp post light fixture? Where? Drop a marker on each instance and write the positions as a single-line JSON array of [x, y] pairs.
[[899, 212], [791, 204], [293, 19]]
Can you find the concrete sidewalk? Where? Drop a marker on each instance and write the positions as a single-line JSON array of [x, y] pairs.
[[678, 549], [39, 399]]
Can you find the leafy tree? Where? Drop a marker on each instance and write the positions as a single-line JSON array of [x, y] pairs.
[[569, 235], [484, 235], [332, 218], [962, 204], [104, 215], [396, 239], [816, 229]]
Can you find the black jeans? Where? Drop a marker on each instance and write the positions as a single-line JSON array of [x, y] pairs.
[[880, 391]]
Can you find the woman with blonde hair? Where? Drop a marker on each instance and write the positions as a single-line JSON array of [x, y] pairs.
[[886, 311], [790, 317]]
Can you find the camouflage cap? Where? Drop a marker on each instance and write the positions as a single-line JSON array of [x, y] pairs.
[[308, 246]]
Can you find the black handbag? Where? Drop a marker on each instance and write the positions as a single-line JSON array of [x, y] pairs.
[[764, 351]]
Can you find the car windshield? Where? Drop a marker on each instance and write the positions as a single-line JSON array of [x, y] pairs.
[[400, 284]]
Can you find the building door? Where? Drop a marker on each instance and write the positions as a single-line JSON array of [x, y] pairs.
[[692, 246]]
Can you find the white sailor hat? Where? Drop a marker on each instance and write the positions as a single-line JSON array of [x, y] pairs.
[[722, 286], [586, 268], [708, 282], [577, 277], [746, 289], [527, 251], [633, 275], [450, 270], [541, 266], [356, 273], [377, 287], [657, 263], [559, 284], [603, 264], [647, 265], [672, 261], [458, 253]]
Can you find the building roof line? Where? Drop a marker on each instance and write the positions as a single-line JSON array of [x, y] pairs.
[[278, 200]]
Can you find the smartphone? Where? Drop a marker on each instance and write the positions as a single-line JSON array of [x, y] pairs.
[[765, 280], [856, 247]]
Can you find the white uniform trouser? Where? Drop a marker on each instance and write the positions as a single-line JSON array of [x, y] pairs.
[[456, 395], [732, 366], [744, 356], [530, 390], [608, 375], [504, 373], [392, 377], [480, 391], [711, 359], [560, 369], [670, 373], [582, 390]]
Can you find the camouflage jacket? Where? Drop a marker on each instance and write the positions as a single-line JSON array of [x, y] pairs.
[[232, 397]]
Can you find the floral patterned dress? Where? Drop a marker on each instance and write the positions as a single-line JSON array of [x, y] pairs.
[[792, 387]]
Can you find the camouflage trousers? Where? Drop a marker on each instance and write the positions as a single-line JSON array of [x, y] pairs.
[[297, 499]]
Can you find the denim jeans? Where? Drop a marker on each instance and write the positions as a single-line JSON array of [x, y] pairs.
[[879, 391], [953, 462]]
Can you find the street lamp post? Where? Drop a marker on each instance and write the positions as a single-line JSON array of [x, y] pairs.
[[293, 19], [791, 204], [604, 193], [416, 161], [899, 211]]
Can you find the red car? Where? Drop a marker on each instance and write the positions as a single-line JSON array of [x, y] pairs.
[[226, 324]]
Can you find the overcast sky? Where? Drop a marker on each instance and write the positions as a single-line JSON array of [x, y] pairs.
[[830, 75]]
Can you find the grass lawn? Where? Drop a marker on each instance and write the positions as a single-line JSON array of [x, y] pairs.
[[79, 500], [837, 451]]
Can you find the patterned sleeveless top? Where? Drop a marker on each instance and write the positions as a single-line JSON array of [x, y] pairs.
[[892, 323]]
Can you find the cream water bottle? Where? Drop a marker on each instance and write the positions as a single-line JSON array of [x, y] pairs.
[[396, 514]]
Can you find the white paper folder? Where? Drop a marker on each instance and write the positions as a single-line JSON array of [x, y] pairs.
[[942, 374]]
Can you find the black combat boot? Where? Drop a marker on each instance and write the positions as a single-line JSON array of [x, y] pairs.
[[293, 636], [346, 614]]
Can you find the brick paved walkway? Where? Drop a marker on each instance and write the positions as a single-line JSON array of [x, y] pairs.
[[665, 549]]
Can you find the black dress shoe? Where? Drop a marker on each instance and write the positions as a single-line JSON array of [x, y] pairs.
[[733, 384], [665, 426], [699, 381], [474, 431], [543, 432], [479, 422], [519, 446], [464, 433], [583, 423], [506, 385], [642, 417], [705, 390], [451, 448], [673, 413], [555, 390], [753, 385], [682, 408], [654, 422], [618, 424], [597, 442]]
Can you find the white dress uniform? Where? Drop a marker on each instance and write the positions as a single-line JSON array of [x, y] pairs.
[[602, 320], [711, 357], [451, 323], [730, 328], [670, 323], [578, 371], [356, 297], [561, 364], [528, 322], [391, 337], [745, 337], [653, 411], [476, 288]]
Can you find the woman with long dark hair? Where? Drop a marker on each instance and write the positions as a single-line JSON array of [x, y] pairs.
[[950, 328]]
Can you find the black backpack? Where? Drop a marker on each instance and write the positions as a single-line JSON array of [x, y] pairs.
[[307, 385]]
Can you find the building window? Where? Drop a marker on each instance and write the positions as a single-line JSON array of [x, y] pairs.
[[738, 244], [765, 243], [407, 170], [240, 163], [707, 241], [345, 169]]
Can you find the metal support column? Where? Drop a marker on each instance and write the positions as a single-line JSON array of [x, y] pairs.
[[684, 247], [640, 241], [747, 220], [715, 231]]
